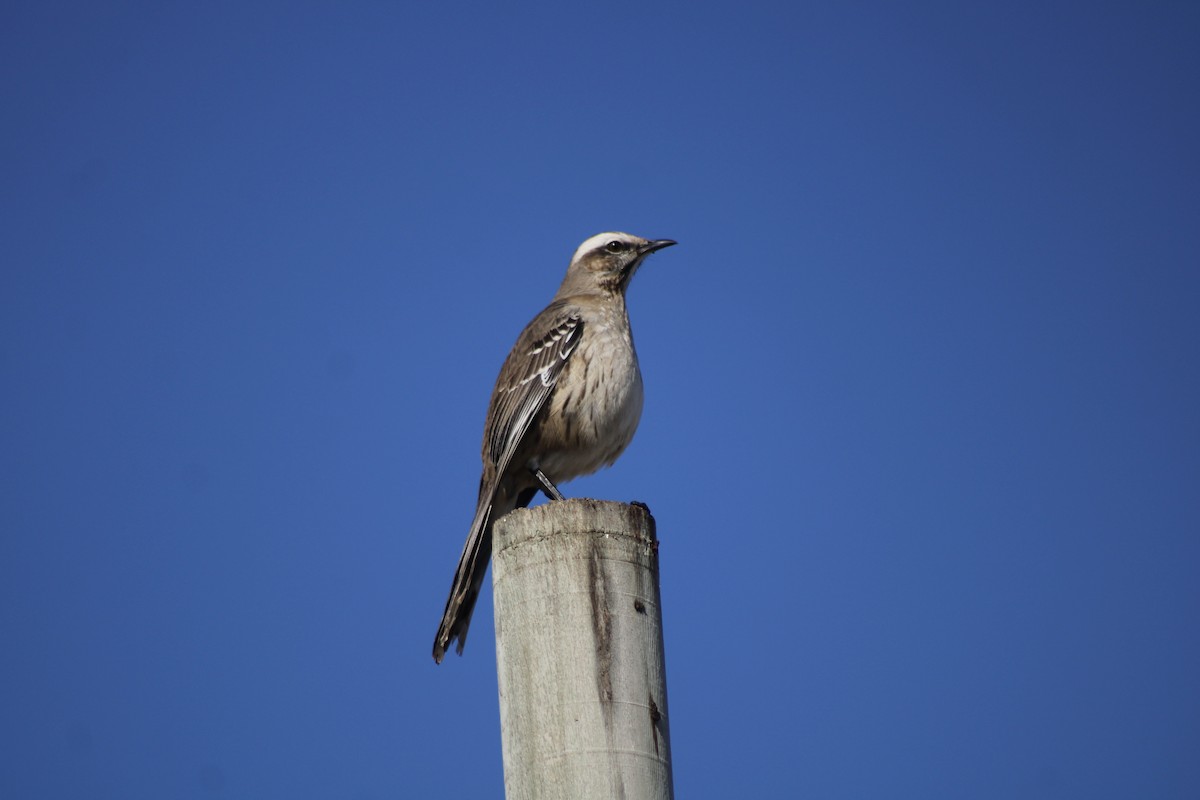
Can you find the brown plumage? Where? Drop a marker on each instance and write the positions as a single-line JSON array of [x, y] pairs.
[[566, 403]]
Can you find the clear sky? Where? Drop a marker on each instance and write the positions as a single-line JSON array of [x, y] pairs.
[[922, 421]]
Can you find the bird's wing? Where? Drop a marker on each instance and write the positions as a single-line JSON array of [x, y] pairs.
[[527, 379]]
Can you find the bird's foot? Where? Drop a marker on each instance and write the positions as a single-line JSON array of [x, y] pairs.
[[547, 485]]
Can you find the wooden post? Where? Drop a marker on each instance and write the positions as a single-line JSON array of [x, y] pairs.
[[579, 653]]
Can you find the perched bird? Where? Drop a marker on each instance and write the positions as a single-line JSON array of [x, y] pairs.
[[566, 403]]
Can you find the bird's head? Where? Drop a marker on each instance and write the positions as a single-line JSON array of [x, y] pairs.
[[607, 261]]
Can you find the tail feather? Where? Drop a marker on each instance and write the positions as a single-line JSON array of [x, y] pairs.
[[468, 580], [494, 503]]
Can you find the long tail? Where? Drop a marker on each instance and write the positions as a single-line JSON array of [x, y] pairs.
[[468, 579]]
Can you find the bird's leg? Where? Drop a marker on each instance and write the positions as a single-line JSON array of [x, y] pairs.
[[547, 485]]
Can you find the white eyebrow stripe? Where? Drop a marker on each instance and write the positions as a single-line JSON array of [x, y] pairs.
[[601, 239]]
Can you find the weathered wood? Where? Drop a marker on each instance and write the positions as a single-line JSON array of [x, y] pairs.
[[579, 652]]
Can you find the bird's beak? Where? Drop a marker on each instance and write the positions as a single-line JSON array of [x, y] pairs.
[[657, 244]]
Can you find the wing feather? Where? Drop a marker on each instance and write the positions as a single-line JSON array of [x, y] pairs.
[[527, 378]]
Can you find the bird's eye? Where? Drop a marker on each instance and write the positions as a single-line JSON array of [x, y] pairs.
[[616, 247]]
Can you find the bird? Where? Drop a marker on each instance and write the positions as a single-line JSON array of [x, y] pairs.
[[566, 403]]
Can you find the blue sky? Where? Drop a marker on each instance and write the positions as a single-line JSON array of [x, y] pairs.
[[920, 435]]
